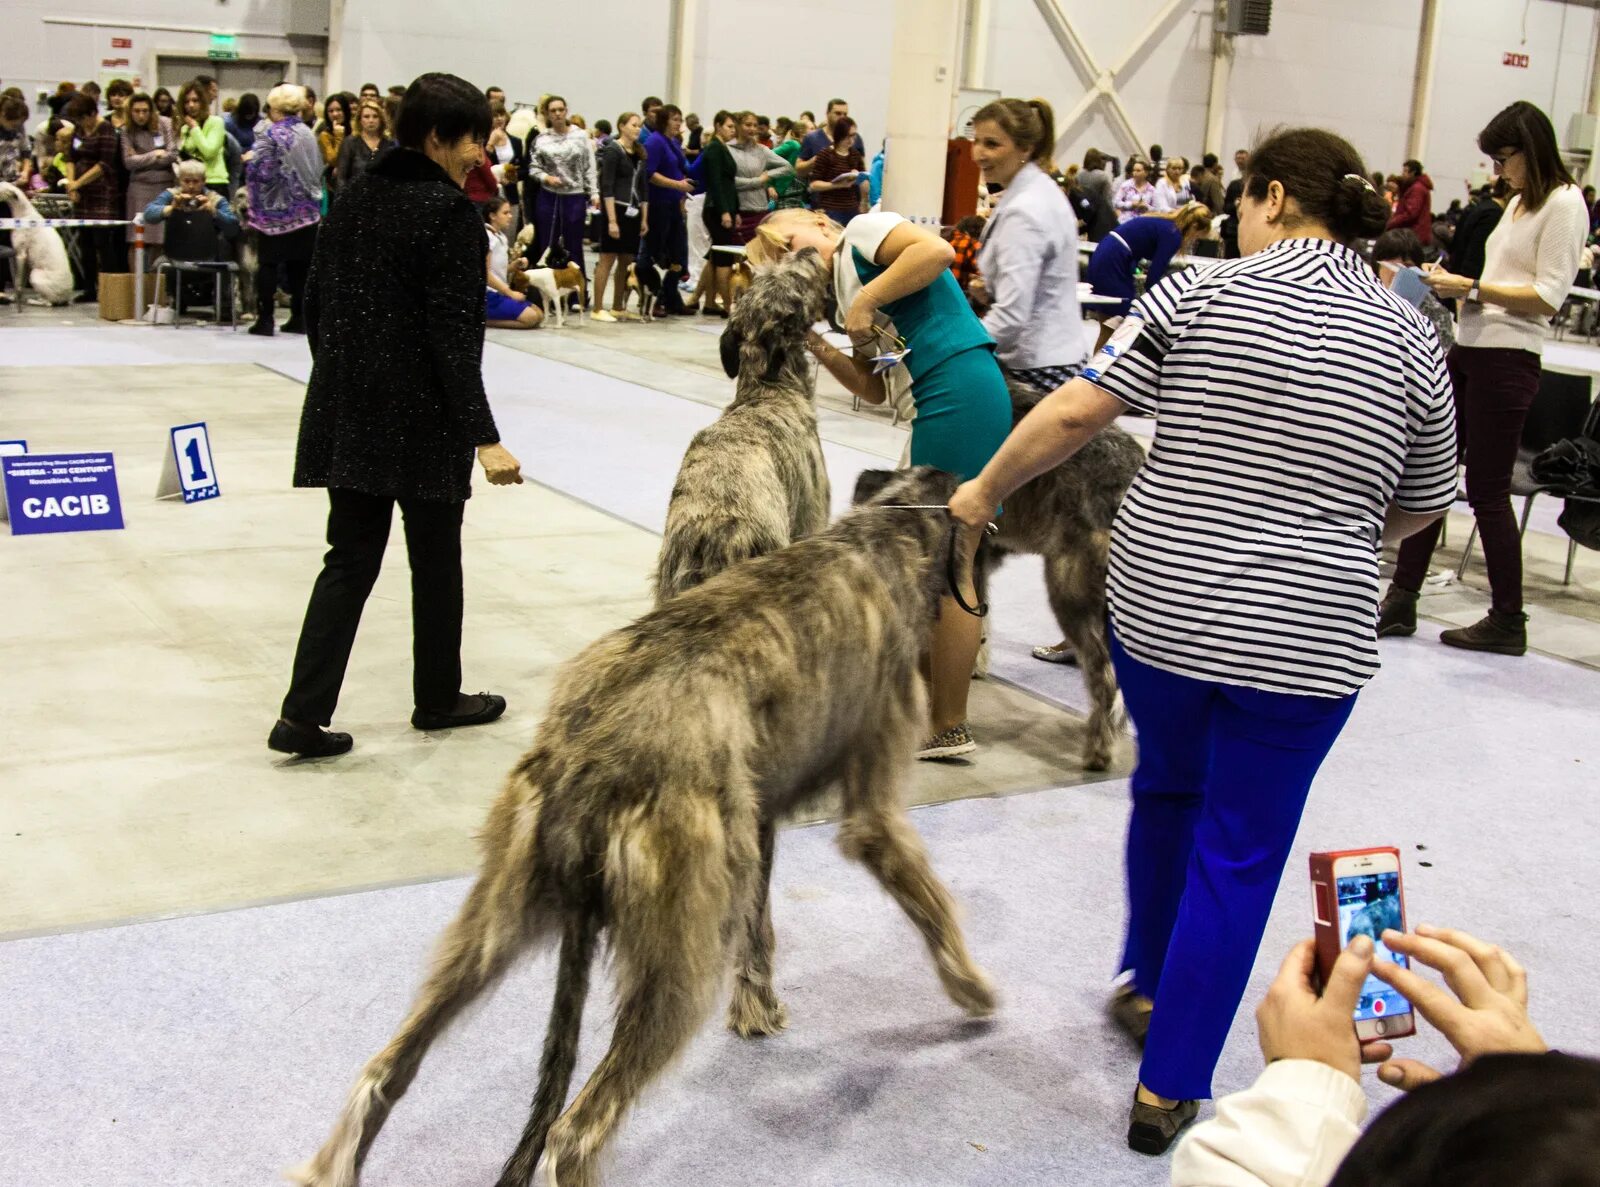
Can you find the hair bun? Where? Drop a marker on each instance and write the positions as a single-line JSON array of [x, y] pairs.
[[1359, 211]]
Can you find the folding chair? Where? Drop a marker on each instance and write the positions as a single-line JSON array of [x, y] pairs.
[[193, 246]]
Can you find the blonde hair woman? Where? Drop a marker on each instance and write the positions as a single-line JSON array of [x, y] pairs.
[[284, 176], [1152, 238], [371, 137], [893, 284]]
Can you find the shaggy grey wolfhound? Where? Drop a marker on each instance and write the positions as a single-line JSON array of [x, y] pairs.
[[754, 480], [647, 809], [1065, 516]]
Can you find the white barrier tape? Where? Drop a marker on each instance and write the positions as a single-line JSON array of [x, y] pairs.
[[14, 224]]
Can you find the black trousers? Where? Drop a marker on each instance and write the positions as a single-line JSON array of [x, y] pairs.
[[358, 530], [104, 250], [291, 253]]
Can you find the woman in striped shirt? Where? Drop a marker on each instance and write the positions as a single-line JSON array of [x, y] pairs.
[[1303, 415]]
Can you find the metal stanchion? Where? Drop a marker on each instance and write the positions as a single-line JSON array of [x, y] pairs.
[[138, 267]]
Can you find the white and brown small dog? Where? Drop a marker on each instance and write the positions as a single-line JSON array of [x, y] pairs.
[[554, 285]]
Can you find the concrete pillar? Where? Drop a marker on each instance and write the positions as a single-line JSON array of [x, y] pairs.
[[1594, 108], [682, 38], [1422, 85], [335, 74], [975, 44], [1217, 103], [922, 82]]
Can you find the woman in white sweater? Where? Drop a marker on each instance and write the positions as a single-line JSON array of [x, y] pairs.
[[1530, 264]]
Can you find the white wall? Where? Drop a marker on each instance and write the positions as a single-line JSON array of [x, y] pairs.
[[603, 56], [755, 54], [36, 54]]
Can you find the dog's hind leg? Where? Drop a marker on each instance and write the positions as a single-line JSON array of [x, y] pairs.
[[1076, 585], [473, 952], [755, 1009], [560, 1045], [877, 832], [671, 895]]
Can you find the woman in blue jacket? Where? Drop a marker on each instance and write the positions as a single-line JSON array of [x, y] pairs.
[[1151, 239]]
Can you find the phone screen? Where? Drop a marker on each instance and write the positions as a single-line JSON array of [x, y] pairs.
[[1368, 905]]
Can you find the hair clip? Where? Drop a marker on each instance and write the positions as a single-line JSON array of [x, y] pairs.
[[1365, 181]]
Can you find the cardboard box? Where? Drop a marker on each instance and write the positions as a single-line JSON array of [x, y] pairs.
[[116, 294]]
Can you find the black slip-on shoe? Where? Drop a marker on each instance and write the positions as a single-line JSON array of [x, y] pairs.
[[480, 709], [1503, 634], [293, 326], [1397, 613], [264, 327], [1152, 1129], [307, 741]]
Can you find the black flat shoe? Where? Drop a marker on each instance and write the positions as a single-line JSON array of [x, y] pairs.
[[293, 326], [263, 327], [307, 741], [1151, 1129], [474, 710]]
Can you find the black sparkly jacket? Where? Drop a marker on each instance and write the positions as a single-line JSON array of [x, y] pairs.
[[394, 311]]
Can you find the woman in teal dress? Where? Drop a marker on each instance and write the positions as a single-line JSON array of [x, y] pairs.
[[895, 290]]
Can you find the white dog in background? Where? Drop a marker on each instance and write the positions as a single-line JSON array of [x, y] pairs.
[[555, 285], [41, 255]]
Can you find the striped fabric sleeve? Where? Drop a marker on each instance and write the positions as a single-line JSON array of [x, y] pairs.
[[1129, 365], [1428, 482]]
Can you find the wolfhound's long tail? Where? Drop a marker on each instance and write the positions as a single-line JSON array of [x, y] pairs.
[[493, 926], [560, 1045]]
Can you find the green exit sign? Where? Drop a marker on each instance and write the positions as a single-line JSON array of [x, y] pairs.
[[224, 47]]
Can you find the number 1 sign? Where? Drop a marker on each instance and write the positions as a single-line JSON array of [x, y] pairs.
[[188, 470]]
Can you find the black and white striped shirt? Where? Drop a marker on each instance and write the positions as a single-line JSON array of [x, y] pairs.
[[1295, 398]]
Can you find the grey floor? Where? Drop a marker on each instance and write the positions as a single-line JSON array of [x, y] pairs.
[[213, 1048]]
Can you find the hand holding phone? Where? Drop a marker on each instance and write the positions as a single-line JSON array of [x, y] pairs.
[[1293, 1022], [1359, 893]]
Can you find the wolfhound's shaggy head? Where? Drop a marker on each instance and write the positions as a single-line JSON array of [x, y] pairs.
[[767, 329]]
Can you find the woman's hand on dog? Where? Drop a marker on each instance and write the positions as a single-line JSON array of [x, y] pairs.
[[499, 466]]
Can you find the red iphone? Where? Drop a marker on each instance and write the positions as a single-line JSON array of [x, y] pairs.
[[1356, 892]]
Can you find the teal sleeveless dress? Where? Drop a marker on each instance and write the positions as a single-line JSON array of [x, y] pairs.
[[963, 406]]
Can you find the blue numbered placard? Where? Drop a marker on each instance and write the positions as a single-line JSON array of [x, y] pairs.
[[61, 492], [189, 470]]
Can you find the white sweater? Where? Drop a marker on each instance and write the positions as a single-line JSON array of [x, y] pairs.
[[1291, 1128], [1541, 249]]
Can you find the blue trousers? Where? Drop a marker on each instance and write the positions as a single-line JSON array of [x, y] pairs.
[[1222, 778]]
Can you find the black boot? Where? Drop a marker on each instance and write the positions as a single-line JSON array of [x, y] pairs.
[[1499, 632], [295, 325], [264, 326], [1397, 613]]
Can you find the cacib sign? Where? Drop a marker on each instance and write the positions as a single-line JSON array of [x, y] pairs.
[[61, 492]]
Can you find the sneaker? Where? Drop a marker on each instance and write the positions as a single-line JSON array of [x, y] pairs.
[[1151, 1129], [1498, 632], [307, 741], [1059, 653], [602, 315], [953, 743], [470, 710], [625, 315], [1397, 613]]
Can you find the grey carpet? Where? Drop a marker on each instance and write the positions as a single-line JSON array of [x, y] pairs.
[[214, 1050]]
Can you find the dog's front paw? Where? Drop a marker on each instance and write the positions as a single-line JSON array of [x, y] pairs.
[[756, 1013]]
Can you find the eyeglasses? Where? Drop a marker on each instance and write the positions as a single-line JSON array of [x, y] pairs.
[[1500, 159]]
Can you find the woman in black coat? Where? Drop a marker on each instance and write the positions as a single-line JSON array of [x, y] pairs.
[[396, 409]]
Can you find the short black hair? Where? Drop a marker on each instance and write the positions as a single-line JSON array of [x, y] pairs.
[[80, 105], [447, 105], [1399, 244], [649, 102], [204, 80], [603, 127], [1414, 165], [248, 109], [1533, 1120], [1210, 160]]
